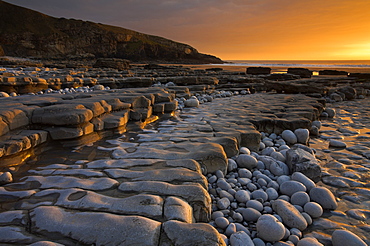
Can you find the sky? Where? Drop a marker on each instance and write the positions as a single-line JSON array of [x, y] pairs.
[[236, 29]]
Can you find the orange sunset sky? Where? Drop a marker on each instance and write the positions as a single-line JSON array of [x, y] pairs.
[[236, 29]]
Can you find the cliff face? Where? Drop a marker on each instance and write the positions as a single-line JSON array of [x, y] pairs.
[[27, 33]]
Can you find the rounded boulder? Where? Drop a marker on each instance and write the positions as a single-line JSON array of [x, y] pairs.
[[269, 228]]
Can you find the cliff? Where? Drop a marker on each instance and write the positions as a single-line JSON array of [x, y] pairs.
[[27, 33]]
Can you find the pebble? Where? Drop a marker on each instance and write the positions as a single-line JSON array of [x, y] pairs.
[[290, 215], [223, 203], [337, 144], [310, 241], [260, 194], [300, 177], [255, 204], [222, 222], [223, 184], [302, 135], [242, 196], [246, 161], [269, 228], [244, 173], [324, 197], [272, 193], [244, 150], [250, 214], [5, 178], [290, 187], [289, 136], [231, 228], [313, 209], [300, 198], [241, 238], [344, 237]]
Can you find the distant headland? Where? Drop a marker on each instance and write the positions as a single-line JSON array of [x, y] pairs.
[[27, 33]]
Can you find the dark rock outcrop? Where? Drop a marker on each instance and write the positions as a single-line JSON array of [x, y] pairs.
[[332, 72], [27, 33], [258, 70], [115, 63], [302, 72]]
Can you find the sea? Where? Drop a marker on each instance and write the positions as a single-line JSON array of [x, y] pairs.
[[281, 66]]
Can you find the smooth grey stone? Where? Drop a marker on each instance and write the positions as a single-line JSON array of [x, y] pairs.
[[246, 161], [250, 214], [272, 194], [279, 168], [217, 214], [244, 150], [300, 177], [244, 181], [135, 229], [262, 182], [251, 187], [273, 184], [226, 194], [300, 198], [231, 228], [267, 210], [290, 215], [317, 123], [310, 241], [303, 135], [258, 242], [212, 179], [307, 218], [337, 144], [241, 238], [244, 173], [291, 187], [265, 177], [283, 178], [269, 228], [268, 151], [238, 217], [268, 143], [223, 184], [313, 209], [255, 204], [240, 227], [219, 174], [180, 233], [331, 112], [260, 194], [299, 208], [222, 222], [295, 231], [284, 197], [324, 197], [242, 196], [289, 136], [5, 178], [223, 203], [231, 165], [260, 165], [294, 239], [278, 156], [344, 237]]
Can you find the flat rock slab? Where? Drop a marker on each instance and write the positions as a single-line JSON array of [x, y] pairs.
[[194, 194], [95, 228], [210, 155], [198, 234], [150, 206], [176, 175], [8, 195], [130, 163], [62, 182]]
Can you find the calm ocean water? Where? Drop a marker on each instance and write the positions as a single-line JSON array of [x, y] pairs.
[[361, 66]]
